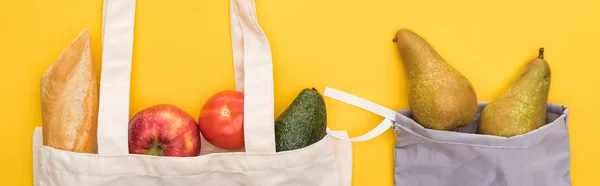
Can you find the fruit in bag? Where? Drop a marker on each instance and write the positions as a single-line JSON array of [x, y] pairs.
[[303, 123], [164, 130], [439, 96], [522, 107], [221, 120]]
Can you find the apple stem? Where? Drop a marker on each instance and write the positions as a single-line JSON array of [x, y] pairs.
[[156, 150]]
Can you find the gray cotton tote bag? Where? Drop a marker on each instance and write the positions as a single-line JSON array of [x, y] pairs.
[[425, 157]]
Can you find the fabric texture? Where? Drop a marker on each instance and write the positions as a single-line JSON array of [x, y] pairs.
[[323, 163], [425, 157], [117, 45]]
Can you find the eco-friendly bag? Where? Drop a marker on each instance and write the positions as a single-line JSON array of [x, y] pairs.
[[327, 162], [425, 157]]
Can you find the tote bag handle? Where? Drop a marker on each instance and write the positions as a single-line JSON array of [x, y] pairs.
[[252, 66]]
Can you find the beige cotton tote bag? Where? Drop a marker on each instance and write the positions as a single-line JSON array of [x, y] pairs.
[[325, 163]]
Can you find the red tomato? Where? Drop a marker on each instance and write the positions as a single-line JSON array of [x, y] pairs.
[[221, 120]]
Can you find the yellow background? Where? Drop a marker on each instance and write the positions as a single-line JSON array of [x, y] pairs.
[[182, 55]]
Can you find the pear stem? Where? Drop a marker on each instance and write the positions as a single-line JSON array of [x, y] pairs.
[[541, 53], [395, 39]]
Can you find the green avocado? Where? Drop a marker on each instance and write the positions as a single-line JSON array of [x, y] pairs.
[[303, 122]]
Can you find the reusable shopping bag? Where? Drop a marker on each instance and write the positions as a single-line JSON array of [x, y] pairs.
[[425, 157], [326, 163]]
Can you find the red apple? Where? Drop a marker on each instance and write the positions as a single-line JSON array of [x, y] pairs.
[[164, 130]]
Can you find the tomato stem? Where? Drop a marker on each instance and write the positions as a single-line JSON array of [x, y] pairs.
[[225, 112]]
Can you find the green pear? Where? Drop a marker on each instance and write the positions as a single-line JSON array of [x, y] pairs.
[[439, 96], [522, 107]]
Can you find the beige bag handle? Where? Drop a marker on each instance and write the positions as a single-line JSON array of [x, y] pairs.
[[253, 72]]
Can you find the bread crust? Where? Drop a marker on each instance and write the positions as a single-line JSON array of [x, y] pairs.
[[69, 99]]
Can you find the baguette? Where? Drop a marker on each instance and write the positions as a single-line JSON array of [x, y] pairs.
[[69, 99]]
